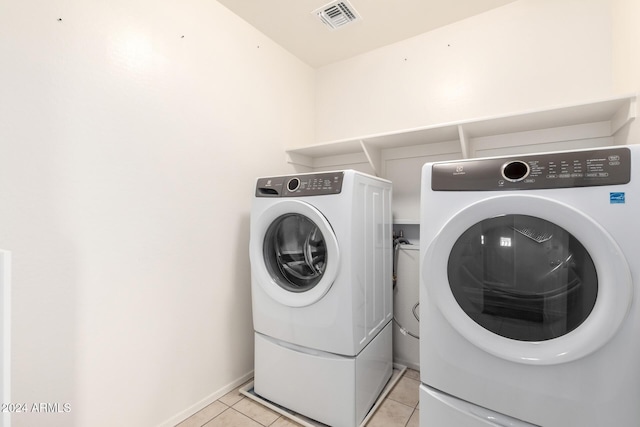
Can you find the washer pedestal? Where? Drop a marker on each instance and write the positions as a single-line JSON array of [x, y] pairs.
[[332, 389]]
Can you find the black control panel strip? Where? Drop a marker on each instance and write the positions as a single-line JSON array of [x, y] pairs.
[[542, 171]]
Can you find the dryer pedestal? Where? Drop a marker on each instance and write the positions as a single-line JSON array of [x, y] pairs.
[[335, 390], [446, 410]]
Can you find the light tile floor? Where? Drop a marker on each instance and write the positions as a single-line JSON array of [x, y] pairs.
[[399, 409]]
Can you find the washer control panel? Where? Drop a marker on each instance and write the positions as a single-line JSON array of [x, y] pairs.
[[314, 184], [607, 166]]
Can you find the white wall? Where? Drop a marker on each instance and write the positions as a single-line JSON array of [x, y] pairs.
[[130, 135], [626, 53], [527, 55], [626, 45]]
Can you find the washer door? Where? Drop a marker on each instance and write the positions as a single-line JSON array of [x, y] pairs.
[[294, 253], [528, 279]]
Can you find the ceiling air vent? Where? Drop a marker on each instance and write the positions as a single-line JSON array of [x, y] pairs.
[[337, 14]]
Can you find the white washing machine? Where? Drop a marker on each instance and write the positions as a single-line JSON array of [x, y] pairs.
[[528, 279], [320, 249]]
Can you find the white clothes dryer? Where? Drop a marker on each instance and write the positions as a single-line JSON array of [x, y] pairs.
[[321, 272], [527, 290]]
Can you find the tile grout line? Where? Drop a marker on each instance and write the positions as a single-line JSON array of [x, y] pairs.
[[410, 416]]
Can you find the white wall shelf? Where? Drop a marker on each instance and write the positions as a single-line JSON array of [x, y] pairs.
[[396, 154], [564, 123]]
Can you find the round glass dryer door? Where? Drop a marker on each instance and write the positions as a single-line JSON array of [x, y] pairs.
[[523, 277], [528, 279], [295, 252]]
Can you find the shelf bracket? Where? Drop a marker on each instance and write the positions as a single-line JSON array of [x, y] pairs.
[[299, 159], [624, 115], [374, 156], [464, 142]]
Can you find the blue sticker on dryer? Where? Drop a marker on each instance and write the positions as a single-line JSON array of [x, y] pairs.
[[616, 198]]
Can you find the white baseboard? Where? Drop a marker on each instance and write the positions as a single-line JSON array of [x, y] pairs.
[[182, 415], [407, 363]]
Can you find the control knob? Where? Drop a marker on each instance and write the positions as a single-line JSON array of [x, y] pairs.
[[515, 171]]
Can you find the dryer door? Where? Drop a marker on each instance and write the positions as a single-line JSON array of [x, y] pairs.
[[528, 279], [294, 253]]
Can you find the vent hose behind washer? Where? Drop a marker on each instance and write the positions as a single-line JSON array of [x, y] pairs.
[[397, 241]]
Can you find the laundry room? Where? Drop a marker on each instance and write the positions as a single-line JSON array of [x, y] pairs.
[[132, 134]]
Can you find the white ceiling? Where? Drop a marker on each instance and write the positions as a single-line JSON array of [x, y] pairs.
[[291, 23]]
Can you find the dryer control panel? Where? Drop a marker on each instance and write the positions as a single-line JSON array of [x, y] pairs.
[[313, 184], [585, 168]]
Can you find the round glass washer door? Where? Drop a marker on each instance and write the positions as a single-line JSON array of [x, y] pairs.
[[528, 279], [296, 252]]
